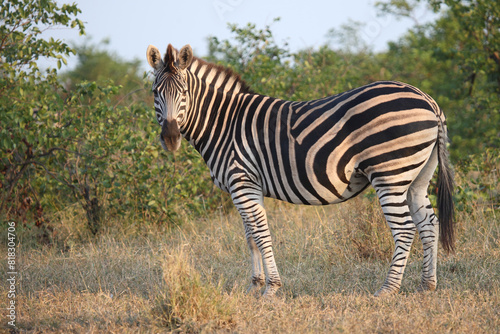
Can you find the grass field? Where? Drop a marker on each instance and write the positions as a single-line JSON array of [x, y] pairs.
[[142, 278]]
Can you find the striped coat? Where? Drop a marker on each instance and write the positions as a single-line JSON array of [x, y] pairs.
[[386, 134]]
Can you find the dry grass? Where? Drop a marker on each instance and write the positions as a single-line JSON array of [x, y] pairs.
[[192, 278]]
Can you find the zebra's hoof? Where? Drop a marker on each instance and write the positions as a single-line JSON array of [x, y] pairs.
[[269, 293], [254, 289], [271, 290], [256, 285], [427, 286], [382, 292]]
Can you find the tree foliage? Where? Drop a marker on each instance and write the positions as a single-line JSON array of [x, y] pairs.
[[29, 99], [456, 60], [97, 63], [88, 138], [80, 144]]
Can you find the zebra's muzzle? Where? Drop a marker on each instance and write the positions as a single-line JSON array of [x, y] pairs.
[[170, 137]]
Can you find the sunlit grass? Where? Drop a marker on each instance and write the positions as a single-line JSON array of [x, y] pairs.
[[139, 277]]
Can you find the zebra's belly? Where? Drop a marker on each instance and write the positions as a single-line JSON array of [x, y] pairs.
[[307, 192]]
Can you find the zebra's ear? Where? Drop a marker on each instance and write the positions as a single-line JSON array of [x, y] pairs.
[[185, 57], [171, 58], [154, 57]]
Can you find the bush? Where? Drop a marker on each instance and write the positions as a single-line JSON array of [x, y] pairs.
[[191, 303], [93, 143]]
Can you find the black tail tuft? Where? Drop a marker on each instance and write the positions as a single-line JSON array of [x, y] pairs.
[[445, 186]]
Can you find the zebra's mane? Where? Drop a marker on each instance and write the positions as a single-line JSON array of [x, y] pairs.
[[219, 76]]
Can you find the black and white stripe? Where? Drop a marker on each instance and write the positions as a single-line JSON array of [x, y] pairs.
[[387, 134]]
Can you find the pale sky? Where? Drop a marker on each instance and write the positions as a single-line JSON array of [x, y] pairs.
[[132, 25]]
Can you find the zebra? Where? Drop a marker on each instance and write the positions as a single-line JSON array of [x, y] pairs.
[[388, 134]]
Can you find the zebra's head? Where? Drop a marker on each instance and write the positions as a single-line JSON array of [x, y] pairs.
[[170, 91]]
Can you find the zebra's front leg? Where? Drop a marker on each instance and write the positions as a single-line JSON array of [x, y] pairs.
[[258, 275], [251, 208], [397, 214]]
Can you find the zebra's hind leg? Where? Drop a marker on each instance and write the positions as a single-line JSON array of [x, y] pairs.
[[397, 213], [427, 223]]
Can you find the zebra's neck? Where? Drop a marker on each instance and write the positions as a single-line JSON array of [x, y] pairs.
[[215, 93], [211, 109]]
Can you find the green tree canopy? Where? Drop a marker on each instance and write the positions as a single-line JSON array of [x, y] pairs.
[[456, 60], [28, 97], [89, 136], [97, 63]]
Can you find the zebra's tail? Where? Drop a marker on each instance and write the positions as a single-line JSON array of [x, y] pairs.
[[445, 186]]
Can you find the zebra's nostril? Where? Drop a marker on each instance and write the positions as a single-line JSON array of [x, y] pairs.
[[170, 135]]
